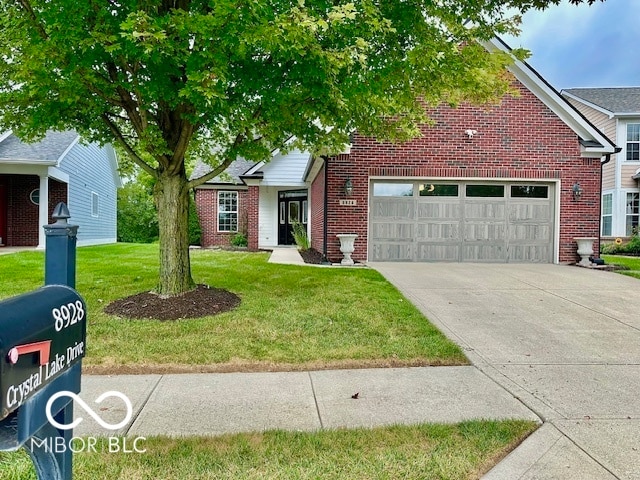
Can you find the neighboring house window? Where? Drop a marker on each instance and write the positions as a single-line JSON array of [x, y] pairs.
[[607, 214], [227, 211], [34, 196], [633, 142], [94, 204], [633, 211]]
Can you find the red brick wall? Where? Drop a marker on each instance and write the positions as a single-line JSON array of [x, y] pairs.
[[22, 214], [251, 211], [316, 199], [57, 194], [521, 138], [23, 223], [207, 207]]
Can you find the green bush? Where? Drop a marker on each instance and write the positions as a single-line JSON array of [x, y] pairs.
[[299, 232], [239, 240], [137, 216], [632, 247], [195, 231]]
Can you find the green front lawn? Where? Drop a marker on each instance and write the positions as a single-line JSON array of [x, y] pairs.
[[291, 317], [632, 263], [422, 452]]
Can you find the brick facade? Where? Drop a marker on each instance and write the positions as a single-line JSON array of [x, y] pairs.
[[520, 138], [316, 202], [22, 219], [207, 207]]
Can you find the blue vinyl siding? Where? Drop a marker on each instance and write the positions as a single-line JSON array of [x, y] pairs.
[[92, 177]]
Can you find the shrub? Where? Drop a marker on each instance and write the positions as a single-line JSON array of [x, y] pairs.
[[300, 236], [137, 216], [239, 240], [632, 247], [195, 231]]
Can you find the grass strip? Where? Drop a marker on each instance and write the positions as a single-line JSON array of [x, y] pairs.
[[457, 452]]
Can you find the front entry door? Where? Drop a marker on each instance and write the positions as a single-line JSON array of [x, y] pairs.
[[292, 208]]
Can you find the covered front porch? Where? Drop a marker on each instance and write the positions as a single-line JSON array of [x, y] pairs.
[[28, 194]]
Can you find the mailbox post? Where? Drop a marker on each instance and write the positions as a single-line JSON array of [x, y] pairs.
[[42, 342]]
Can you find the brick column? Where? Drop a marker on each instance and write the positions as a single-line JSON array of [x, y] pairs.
[[253, 204]]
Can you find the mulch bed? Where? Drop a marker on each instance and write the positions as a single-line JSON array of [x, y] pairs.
[[311, 256], [203, 301]]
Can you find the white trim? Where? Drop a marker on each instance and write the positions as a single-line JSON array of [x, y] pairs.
[[600, 109], [5, 135], [67, 150], [43, 210], [57, 174], [95, 201], [237, 212]]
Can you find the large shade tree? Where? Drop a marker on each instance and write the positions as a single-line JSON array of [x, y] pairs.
[[173, 80]]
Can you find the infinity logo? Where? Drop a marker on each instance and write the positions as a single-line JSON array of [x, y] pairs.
[[94, 415]]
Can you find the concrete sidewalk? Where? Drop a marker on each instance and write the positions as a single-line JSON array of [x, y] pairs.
[[212, 404]]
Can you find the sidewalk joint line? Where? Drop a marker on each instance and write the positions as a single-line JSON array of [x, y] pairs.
[[315, 399], [144, 404]]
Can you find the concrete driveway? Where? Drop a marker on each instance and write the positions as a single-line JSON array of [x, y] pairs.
[[564, 340]]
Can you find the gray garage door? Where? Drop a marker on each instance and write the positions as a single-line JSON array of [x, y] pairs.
[[462, 222]]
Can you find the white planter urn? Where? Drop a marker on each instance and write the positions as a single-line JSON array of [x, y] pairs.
[[346, 247], [585, 249]]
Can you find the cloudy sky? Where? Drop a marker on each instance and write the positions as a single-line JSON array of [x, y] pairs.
[[584, 46]]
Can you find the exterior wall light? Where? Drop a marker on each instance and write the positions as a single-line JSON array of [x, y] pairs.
[[348, 187], [577, 191]]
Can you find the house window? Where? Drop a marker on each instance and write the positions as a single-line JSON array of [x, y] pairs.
[[94, 204], [632, 211], [34, 196], [227, 211], [305, 206], [607, 214], [633, 142]]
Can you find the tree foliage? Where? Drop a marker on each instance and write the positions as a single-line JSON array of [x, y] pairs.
[[170, 80]]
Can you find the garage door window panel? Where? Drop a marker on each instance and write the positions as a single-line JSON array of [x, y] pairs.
[[529, 191], [435, 190], [393, 189], [485, 191]]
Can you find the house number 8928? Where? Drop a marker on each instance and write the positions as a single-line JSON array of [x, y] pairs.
[[68, 314]]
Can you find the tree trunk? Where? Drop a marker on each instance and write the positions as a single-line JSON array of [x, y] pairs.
[[172, 201]]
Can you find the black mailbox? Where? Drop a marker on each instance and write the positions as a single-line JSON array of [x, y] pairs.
[[42, 335]]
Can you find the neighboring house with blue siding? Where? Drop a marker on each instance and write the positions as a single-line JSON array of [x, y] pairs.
[[35, 177]]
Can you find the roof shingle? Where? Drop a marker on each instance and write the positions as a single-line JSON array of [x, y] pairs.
[[614, 99]]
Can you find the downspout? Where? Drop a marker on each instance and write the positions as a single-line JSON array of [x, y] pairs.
[[607, 159], [325, 260]]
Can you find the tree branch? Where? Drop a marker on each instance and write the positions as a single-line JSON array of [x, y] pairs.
[[123, 142], [32, 15]]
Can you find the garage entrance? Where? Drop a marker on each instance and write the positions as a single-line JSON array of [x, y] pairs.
[[422, 221]]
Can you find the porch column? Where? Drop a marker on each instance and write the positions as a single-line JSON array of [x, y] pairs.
[[253, 205], [43, 210]]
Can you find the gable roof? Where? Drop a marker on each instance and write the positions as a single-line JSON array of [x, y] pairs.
[[48, 151], [231, 175], [593, 143], [615, 101]]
